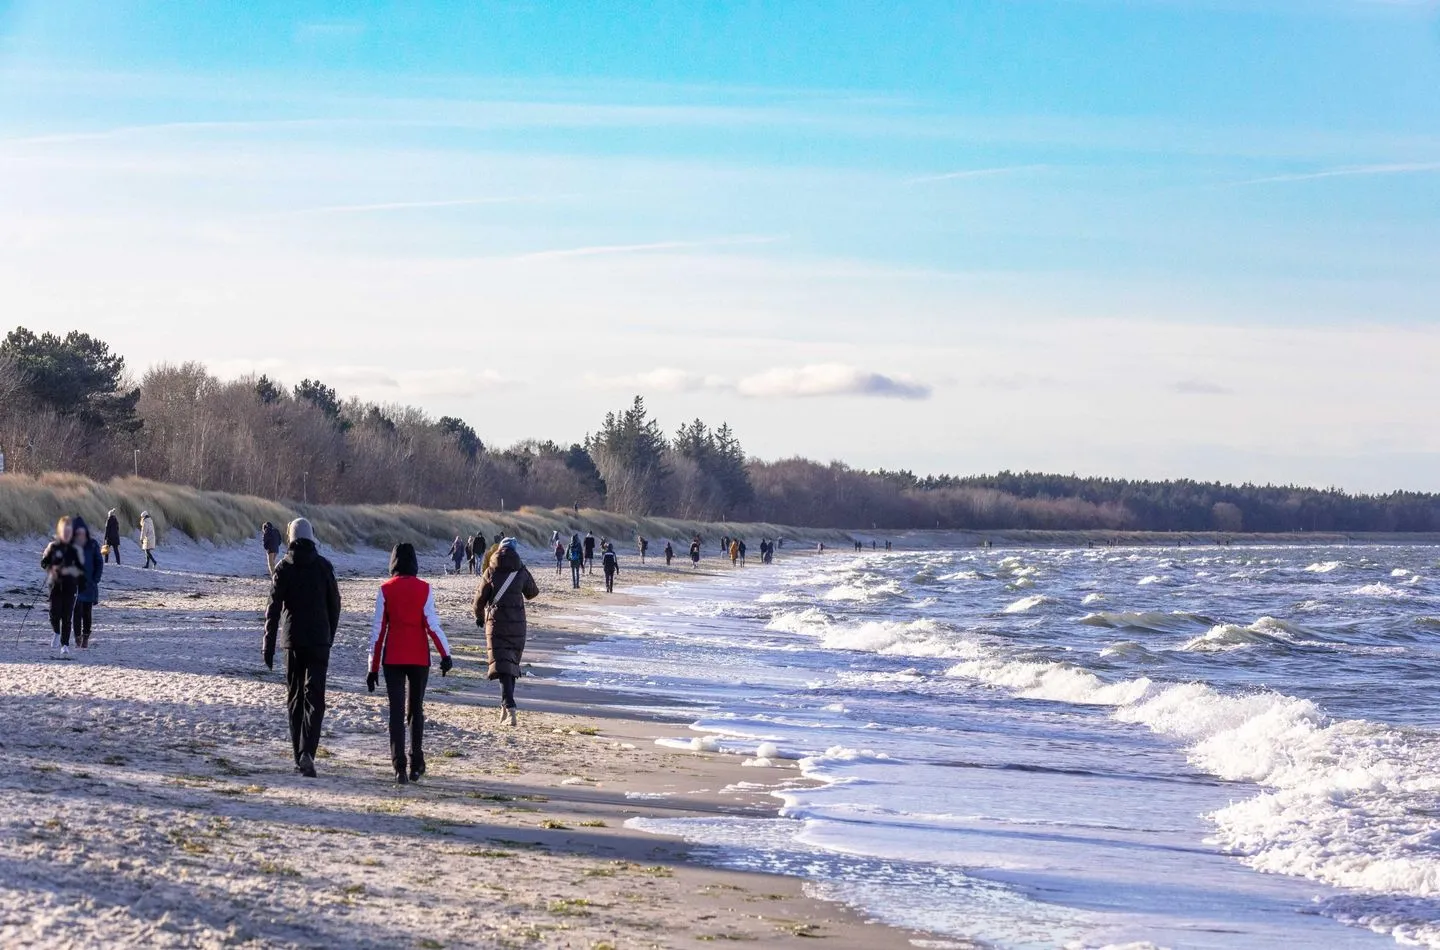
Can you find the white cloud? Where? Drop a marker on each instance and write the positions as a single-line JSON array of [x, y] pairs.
[[830, 379], [1200, 387], [661, 380]]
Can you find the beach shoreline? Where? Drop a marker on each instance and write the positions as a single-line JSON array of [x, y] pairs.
[[152, 800]]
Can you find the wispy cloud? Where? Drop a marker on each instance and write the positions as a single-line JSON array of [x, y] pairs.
[[596, 250], [973, 173], [1348, 171], [830, 379], [782, 382]]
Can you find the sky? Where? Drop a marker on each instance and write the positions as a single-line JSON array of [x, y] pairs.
[[1141, 238]]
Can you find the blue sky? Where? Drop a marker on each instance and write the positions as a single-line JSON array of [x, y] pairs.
[[1129, 237]]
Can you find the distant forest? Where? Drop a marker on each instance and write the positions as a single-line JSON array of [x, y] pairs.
[[70, 404]]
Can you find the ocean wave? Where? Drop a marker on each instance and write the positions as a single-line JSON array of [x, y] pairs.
[[1324, 567], [1153, 621], [1382, 590], [1027, 604]]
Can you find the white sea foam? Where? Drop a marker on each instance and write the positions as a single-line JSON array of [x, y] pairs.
[[1027, 604], [1324, 567]]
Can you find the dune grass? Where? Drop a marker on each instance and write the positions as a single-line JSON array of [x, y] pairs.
[[30, 506]]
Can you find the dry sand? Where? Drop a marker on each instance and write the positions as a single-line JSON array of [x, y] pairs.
[[149, 798]]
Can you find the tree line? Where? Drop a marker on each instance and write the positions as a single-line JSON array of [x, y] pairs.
[[69, 403]]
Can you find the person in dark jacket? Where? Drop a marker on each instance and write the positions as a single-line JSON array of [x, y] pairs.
[[500, 608], [472, 551], [270, 540], [88, 594], [112, 536], [669, 553], [63, 562], [610, 565], [406, 622], [577, 560], [695, 554], [303, 616], [457, 552], [590, 552]]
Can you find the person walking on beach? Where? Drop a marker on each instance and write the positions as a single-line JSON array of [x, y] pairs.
[[577, 560], [500, 609], [742, 552], [610, 565], [147, 539], [270, 540], [695, 554], [457, 552], [735, 553], [112, 536], [472, 551], [63, 563], [302, 618], [559, 556], [669, 553], [405, 624], [87, 595], [644, 546], [590, 552]]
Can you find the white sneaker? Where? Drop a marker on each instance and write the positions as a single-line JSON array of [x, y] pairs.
[[55, 643], [64, 651]]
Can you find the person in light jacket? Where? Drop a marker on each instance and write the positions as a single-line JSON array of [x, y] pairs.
[[406, 623], [147, 539], [500, 609]]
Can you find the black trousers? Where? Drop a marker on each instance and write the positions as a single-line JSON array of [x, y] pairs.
[[112, 549], [398, 676], [575, 573], [84, 616], [62, 608], [609, 582], [149, 558], [305, 671], [507, 690]]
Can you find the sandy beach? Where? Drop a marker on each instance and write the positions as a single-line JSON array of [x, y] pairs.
[[150, 798]]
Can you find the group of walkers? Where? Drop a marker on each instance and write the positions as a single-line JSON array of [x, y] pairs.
[[74, 562], [874, 545], [736, 550], [303, 617], [472, 550], [580, 555]]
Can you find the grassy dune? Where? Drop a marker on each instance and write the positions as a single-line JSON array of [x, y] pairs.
[[30, 505]]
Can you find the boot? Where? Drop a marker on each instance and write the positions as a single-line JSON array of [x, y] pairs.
[[307, 766], [417, 766], [401, 774], [509, 717]]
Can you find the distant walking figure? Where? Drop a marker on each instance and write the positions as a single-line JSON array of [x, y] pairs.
[[577, 560], [457, 552], [405, 624], [695, 554], [112, 536], [610, 564], [473, 551], [271, 541], [742, 553], [590, 552], [735, 553], [63, 563], [147, 539], [302, 618], [500, 608], [559, 555], [644, 547], [669, 553], [88, 593]]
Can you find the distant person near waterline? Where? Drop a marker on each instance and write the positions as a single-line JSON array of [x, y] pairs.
[[559, 555], [610, 566], [669, 553], [577, 560], [644, 546], [405, 624], [148, 539], [695, 554], [65, 569], [271, 541], [457, 552], [112, 537], [500, 609], [88, 593], [302, 619], [735, 553], [590, 552]]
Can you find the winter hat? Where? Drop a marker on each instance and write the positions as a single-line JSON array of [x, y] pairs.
[[77, 523], [403, 560], [144, 515], [112, 513], [507, 544], [300, 530]]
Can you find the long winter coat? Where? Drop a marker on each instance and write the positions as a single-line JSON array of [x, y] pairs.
[[112, 532], [94, 562], [504, 618], [147, 534]]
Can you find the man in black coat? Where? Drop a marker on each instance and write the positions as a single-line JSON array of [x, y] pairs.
[[112, 536], [303, 616]]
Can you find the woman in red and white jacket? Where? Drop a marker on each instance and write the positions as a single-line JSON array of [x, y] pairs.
[[405, 623]]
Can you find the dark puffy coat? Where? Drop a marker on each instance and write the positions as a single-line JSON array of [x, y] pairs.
[[94, 563], [270, 538], [304, 608], [112, 531], [65, 564], [504, 618]]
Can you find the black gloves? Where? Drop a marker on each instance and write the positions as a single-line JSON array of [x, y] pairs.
[[269, 659], [372, 681], [446, 665]]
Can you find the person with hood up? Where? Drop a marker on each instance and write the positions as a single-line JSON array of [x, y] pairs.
[[577, 560], [669, 553], [406, 622], [147, 539], [88, 594], [270, 540], [112, 536], [63, 562], [457, 552], [302, 618], [500, 608], [610, 565]]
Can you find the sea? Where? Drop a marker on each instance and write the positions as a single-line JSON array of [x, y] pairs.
[[1194, 747]]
